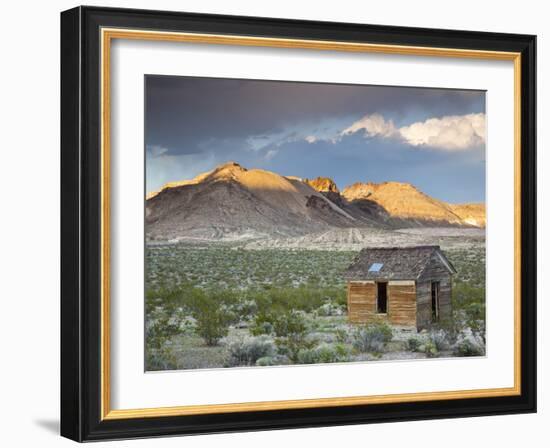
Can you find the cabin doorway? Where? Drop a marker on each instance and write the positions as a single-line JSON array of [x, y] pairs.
[[382, 298], [435, 301]]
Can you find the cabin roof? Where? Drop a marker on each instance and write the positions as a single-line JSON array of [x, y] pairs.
[[397, 263]]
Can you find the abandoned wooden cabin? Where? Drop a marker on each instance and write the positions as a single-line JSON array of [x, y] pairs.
[[403, 286]]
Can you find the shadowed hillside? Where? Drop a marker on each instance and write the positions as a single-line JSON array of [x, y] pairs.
[[232, 203]]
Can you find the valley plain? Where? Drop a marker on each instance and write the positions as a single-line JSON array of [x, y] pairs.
[[245, 268]]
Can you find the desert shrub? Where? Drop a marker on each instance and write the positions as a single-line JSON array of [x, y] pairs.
[[372, 337], [159, 328], [413, 344], [324, 353], [468, 302], [327, 336], [340, 297], [291, 333], [452, 327], [279, 322], [246, 351], [262, 322], [439, 339], [475, 320], [341, 335], [465, 293], [244, 308], [163, 320], [213, 326], [429, 348], [212, 313], [162, 358], [292, 322], [469, 348], [469, 306], [330, 309]]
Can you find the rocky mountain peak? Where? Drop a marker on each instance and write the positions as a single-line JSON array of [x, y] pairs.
[[228, 169], [322, 184], [365, 189]]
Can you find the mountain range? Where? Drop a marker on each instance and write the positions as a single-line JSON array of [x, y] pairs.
[[232, 203]]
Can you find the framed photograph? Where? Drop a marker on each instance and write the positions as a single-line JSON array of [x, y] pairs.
[[276, 224]]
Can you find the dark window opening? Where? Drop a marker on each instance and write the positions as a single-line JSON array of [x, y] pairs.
[[382, 298], [435, 301]]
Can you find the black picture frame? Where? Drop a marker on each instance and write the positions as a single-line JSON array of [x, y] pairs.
[[81, 224]]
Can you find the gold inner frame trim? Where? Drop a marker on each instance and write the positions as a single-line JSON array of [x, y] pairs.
[[107, 35]]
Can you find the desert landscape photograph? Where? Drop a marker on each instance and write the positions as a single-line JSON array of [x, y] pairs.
[[298, 223]]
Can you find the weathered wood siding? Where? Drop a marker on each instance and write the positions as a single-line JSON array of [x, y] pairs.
[[445, 291], [401, 303], [435, 271], [423, 305], [361, 301]]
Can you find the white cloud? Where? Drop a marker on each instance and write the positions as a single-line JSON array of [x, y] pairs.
[[311, 139], [451, 133], [156, 150], [374, 125], [270, 154]]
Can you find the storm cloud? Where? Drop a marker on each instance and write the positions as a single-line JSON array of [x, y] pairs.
[[348, 132]]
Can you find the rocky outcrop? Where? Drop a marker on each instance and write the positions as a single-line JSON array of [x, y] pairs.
[[322, 184], [403, 205], [473, 214]]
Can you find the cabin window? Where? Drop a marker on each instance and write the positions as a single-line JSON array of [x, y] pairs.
[[375, 267], [435, 301], [382, 298]]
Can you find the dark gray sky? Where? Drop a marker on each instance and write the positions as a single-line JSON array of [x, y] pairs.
[[432, 138]]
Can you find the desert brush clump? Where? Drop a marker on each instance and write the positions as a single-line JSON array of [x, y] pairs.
[[163, 320], [324, 353], [467, 347], [291, 331], [246, 351], [372, 337], [469, 311], [439, 339], [330, 308], [342, 335], [430, 349], [413, 344], [212, 312]]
